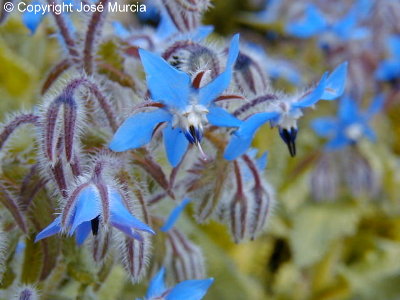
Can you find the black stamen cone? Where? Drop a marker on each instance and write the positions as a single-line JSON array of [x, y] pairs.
[[95, 225], [289, 137], [193, 135]]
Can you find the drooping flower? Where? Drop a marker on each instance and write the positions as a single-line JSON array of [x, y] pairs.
[[91, 203], [350, 125], [186, 109], [188, 289], [284, 112], [389, 69]]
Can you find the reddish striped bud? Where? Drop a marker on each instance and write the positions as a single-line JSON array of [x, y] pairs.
[[184, 258]]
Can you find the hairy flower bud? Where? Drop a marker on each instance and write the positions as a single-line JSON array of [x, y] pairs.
[[61, 121], [3, 253], [261, 198], [248, 200], [239, 217], [135, 256], [185, 14], [191, 57], [26, 293], [100, 245], [360, 177], [249, 75], [184, 258], [207, 187], [324, 179]]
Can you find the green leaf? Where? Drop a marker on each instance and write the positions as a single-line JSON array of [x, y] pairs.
[[33, 261], [317, 226]]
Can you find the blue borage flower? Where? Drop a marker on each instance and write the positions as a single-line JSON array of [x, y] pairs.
[[389, 68], [350, 125], [187, 290], [86, 211], [315, 23], [285, 112], [185, 109]]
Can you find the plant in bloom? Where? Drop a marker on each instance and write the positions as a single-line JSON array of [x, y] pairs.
[[185, 107], [283, 111], [110, 151], [342, 165], [350, 125], [315, 23], [91, 202]]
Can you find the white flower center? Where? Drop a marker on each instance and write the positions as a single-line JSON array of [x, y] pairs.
[[354, 131], [193, 115]]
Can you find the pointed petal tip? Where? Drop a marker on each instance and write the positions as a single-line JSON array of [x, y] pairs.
[[174, 215]]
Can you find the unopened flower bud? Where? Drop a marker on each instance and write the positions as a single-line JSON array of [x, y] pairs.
[[26, 293], [136, 254], [183, 257]]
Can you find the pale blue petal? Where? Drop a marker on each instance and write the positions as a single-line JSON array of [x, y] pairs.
[[369, 133], [53, 228], [360, 33], [312, 97], [324, 126], [262, 161], [218, 116], [166, 84], [394, 45], [156, 285], [313, 23], [213, 89], [32, 20], [120, 30], [241, 139], [87, 207], [344, 27], [283, 69], [336, 83], [128, 231], [203, 32], [82, 232], [190, 290], [166, 28], [175, 144], [376, 106], [388, 70], [173, 217], [137, 130], [120, 215], [338, 142], [270, 12], [348, 110]]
